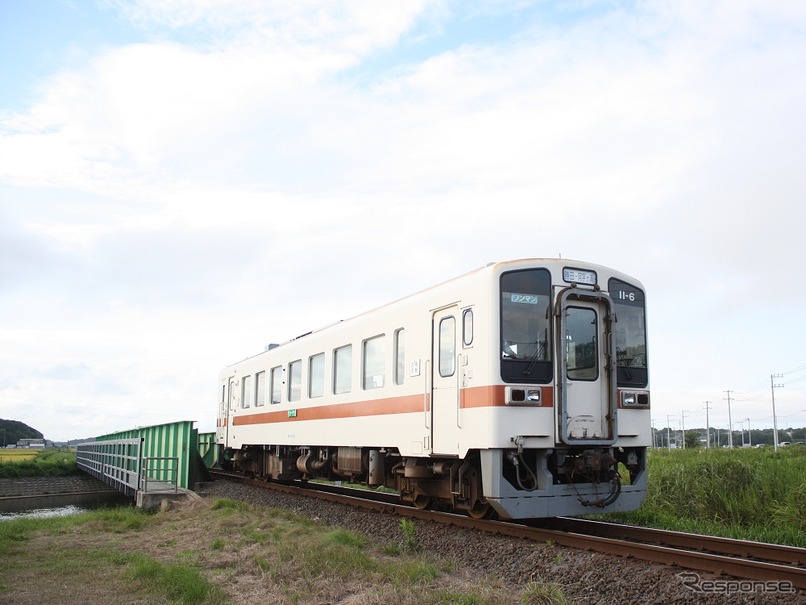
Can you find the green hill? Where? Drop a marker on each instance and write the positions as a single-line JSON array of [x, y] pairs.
[[12, 431]]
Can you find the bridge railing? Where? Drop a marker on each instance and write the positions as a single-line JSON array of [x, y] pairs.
[[159, 473], [116, 462]]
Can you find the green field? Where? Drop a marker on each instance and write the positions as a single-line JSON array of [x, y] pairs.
[[751, 494], [37, 463]]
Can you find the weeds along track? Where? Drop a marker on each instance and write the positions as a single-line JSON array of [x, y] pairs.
[[736, 558]]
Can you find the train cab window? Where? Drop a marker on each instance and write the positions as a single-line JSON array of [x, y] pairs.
[[343, 369], [316, 375], [374, 368], [260, 389], [630, 330], [276, 385], [447, 346], [467, 327], [400, 356], [525, 326], [295, 380], [246, 392]]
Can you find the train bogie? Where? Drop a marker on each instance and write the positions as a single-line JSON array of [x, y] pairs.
[[520, 389]]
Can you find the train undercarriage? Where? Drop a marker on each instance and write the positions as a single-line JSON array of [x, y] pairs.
[[590, 476]]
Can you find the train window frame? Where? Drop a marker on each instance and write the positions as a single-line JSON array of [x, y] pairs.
[[400, 356], [447, 347], [373, 362], [588, 357], [532, 286], [295, 380], [276, 385], [260, 389], [343, 369], [316, 376], [629, 306], [246, 392], [467, 328]]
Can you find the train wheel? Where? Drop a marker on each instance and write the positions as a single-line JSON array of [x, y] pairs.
[[422, 501], [482, 510]]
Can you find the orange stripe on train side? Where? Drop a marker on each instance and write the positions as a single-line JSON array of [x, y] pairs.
[[371, 407], [482, 397], [495, 396], [474, 397]]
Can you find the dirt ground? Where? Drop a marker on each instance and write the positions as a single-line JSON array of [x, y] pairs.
[[243, 553]]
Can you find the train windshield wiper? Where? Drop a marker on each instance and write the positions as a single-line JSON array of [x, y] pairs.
[[540, 348], [623, 362]]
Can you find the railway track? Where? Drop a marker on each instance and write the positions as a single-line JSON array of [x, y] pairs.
[[745, 560]]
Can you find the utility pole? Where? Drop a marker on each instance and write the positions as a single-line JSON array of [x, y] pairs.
[[730, 422], [707, 424], [774, 386], [669, 431], [749, 436], [683, 426]]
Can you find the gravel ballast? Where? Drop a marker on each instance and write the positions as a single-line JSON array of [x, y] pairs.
[[585, 577]]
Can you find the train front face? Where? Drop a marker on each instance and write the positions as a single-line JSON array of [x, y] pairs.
[[572, 339]]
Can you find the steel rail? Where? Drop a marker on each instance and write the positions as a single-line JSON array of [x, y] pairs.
[[724, 564], [760, 551]]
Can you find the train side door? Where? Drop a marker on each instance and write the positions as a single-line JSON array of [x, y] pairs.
[[227, 408], [587, 404], [445, 374], [221, 423]]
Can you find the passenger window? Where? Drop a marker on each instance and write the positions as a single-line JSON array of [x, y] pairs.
[[260, 389], [276, 385], [316, 375], [246, 392], [400, 356], [343, 369], [447, 346], [467, 327], [374, 362], [295, 380]]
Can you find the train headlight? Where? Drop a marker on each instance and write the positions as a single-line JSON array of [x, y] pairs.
[[632, 399], [524, 396]]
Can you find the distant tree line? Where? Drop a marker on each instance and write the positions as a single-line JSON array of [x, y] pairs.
[[719, 437], [12, 431]]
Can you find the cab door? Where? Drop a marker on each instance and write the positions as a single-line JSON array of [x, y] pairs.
[[586, 377], [445, 418]]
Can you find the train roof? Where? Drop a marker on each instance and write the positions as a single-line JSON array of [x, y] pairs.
[[491, 266]]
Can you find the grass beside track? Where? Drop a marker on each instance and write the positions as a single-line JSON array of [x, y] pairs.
[[223, 551], [748, 494]]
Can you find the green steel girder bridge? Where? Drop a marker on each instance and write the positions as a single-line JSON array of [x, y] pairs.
[[151, 463]]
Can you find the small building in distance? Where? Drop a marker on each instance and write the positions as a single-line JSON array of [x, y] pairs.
[[31, 443]]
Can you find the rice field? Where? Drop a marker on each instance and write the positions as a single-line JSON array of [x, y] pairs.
[[7, 455], [37, 463]]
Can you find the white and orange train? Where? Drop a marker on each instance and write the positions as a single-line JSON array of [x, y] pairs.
[[519, 390]]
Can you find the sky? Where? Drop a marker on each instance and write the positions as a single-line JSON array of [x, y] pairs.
[[183, 182]]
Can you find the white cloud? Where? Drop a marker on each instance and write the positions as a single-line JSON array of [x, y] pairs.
[[246, 152]]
